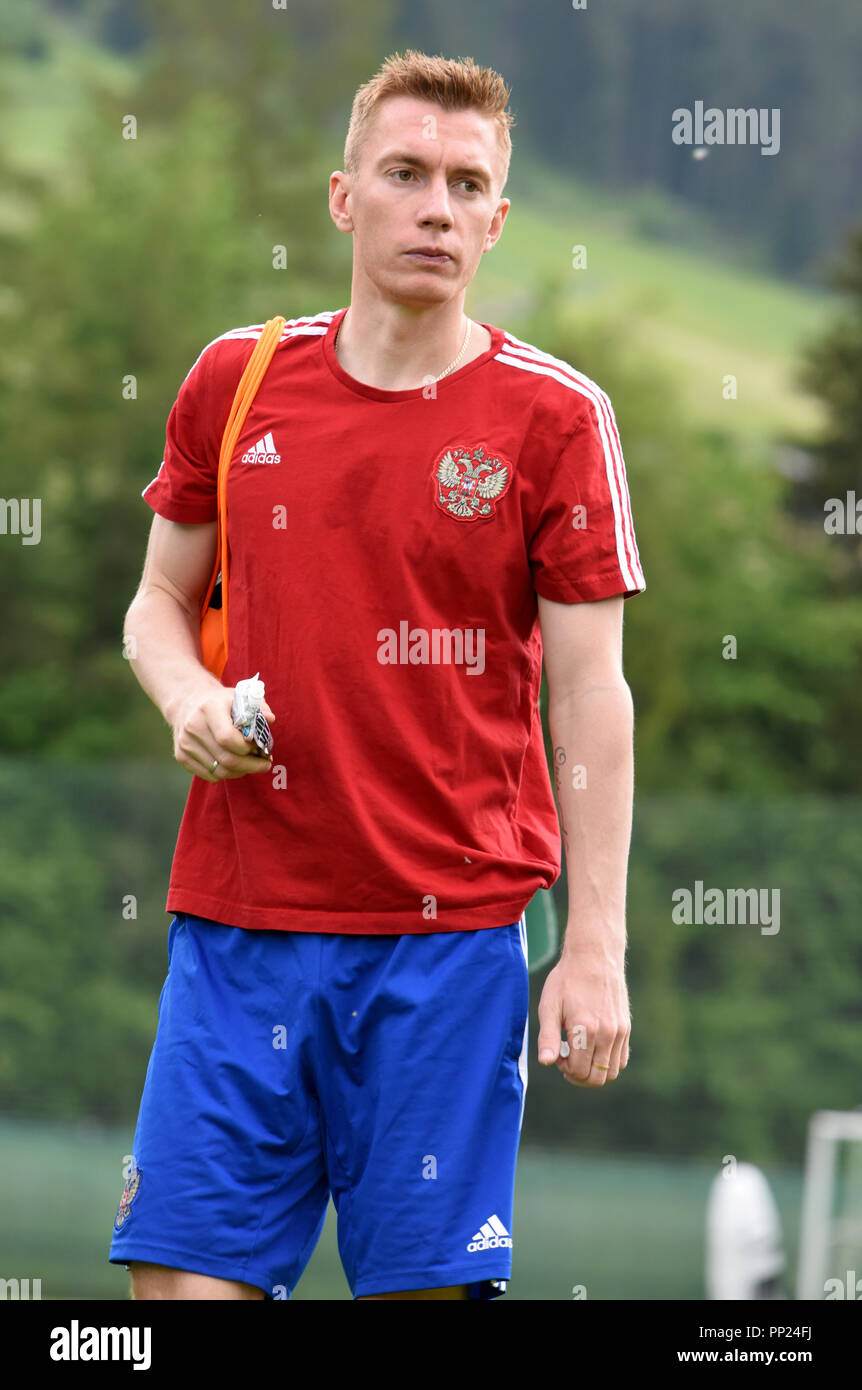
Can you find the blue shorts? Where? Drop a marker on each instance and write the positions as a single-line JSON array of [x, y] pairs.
[[387, 1071]]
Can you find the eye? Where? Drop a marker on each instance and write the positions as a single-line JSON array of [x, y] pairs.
[[408, 172], [474, 186]]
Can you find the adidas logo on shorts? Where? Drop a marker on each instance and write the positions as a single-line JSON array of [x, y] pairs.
[[263, 452], [492, 1235]]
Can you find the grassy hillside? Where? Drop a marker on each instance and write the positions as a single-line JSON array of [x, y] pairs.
[[650, 267], [702, 316]]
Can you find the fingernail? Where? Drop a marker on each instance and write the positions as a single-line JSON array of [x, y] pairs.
[[546, 1056]]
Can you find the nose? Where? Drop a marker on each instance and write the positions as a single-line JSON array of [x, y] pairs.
[[436, 208]]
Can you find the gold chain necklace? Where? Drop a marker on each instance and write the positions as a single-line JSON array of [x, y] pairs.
[[452, 365]]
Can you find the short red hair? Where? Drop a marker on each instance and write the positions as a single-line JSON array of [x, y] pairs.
[[456, 85]]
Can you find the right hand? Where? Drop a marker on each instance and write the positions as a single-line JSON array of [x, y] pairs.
[[203, 731]]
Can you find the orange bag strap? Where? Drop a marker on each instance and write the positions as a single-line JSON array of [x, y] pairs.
[[246, 391]]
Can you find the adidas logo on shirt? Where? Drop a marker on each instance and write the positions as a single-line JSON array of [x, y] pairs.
[[263, 452], [492, 1235]]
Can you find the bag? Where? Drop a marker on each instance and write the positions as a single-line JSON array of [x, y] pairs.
[[214, 619]]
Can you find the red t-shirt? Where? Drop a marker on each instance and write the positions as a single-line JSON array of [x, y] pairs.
[[386, 550]]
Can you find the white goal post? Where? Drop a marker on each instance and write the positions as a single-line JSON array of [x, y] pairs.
[[830, 1244]]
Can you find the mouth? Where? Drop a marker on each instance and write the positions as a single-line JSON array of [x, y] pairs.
[[428, 255]]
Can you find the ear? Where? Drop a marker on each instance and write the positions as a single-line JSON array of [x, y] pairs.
[[339, 192], [495, 230]]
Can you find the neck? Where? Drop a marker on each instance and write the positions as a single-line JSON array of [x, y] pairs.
[[398, 347]]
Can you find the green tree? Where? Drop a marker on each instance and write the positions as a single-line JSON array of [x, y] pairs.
[[722, 561], [115, 276], [833, 371]]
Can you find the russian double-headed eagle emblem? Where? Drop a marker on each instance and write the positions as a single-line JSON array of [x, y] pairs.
[[470, 483], [130, 1192]]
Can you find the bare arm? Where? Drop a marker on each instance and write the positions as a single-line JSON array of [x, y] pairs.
[[590, 716], [162, 638]]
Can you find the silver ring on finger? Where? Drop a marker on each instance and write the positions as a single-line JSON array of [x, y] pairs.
[[214, 765]]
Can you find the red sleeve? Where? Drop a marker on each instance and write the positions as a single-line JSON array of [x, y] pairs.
[[186, 485], [584, 546]]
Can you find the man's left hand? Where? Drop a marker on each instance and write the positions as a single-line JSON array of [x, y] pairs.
[[585, 997]]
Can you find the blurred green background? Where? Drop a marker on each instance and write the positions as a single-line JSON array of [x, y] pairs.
[[120, 259]]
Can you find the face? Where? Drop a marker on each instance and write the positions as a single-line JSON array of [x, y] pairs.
[[423, 206]]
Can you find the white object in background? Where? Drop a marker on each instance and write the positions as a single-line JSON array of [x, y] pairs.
[[744, 1254]]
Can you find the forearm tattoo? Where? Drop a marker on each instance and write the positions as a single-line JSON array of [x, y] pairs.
[[559, 762]]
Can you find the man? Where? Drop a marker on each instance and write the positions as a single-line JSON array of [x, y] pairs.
[[419, 507]]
